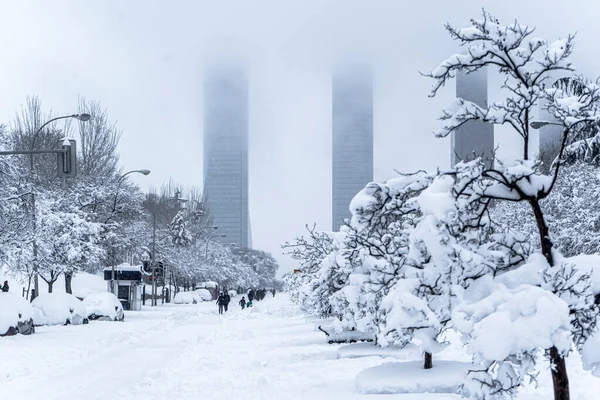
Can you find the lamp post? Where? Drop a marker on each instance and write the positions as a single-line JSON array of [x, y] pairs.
[[208, 241], [81, 117], [120, 180], [539, 124]]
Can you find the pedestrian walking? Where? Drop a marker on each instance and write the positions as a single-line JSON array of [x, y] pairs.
[[242, 302], [273, 292], [221, 302], [250, 295], [227, 300], [5, 287]]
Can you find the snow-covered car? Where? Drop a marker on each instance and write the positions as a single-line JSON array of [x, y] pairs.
[[58, 309], [204, 294], [187, 298], [16, 315], [103, 306]]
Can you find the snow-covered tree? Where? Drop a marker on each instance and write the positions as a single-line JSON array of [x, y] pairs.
[[309, 252], [525, 62]]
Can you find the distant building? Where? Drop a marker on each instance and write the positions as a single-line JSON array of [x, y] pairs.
[[226, 153], [474, 138], [550, 136], [352, 127]]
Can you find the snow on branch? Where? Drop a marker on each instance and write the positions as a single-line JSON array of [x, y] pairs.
[[510, 48]]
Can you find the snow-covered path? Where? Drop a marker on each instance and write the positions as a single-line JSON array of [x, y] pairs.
[[190, 352], [184, 352]]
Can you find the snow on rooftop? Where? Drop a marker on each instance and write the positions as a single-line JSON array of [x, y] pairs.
[[125, 267]]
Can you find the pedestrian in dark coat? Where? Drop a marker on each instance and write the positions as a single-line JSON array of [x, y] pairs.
[[251, 295], [221, 303], [242, 302], [227, 300], [5, 287]]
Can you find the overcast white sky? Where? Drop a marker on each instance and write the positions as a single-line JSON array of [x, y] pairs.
[[144, 59]]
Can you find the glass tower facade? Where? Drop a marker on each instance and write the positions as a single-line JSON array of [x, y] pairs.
[[474, 138], [226, 153], [352, 128]]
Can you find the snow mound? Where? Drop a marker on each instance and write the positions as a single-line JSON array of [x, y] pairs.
[[410, 377], [187, 298], [204, 294], [367, 349], [13, 309], [104, 305], [350, 337], [232, 293], [58, 309], [84, 284]]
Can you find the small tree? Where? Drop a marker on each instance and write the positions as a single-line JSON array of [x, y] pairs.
[[525, 62]]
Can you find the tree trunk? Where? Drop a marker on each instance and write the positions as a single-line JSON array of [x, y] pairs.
[[68, 279], [545, 242], [50, 284], [560, 379], [428, 361]]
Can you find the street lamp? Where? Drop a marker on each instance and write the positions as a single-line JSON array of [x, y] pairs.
[[81, 117], [539, 124], [208, 241], [120, 180]]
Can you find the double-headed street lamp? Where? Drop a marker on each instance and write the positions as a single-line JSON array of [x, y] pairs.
[[120, 180]]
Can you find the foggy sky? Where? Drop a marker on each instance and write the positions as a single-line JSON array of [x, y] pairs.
[[144, 61]]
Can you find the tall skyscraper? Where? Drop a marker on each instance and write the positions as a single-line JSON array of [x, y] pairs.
[[550, 136], [226, 153], [475, 138], [352, 127]]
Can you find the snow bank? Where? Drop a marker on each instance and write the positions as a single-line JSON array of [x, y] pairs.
[[367, 349], [58, 309], [410, 377], [13, 309], [84, 284], [350, 337], [103, 304]]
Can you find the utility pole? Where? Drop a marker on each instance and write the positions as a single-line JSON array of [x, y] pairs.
[[153, 253]]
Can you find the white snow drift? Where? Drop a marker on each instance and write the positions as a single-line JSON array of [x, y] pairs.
[[58, 309]]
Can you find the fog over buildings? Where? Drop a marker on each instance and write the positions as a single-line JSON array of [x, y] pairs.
[[226, 153], [147, 61], [352, 137]]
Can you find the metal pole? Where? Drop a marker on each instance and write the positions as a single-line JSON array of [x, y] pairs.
[[33, 209], [153, 252]]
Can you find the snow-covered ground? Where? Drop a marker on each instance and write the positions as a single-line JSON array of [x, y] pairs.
[[190, 352]]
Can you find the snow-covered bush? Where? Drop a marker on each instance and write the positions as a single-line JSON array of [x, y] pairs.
[[58, 309]]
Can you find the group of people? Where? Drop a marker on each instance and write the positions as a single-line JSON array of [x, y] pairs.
[[223, 301], [253, 294]]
